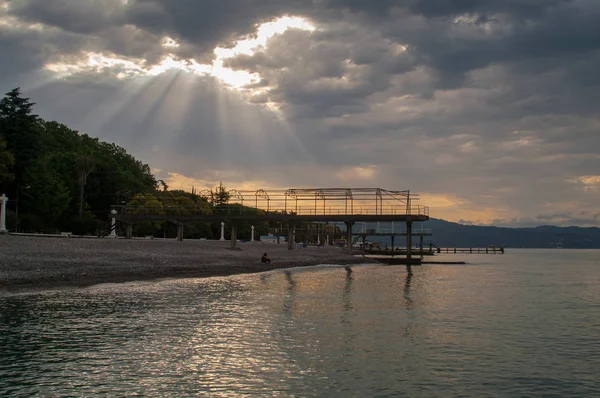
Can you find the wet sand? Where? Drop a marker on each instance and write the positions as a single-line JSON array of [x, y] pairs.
[[32, 263]]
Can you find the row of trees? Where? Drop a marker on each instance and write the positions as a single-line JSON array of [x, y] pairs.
[[213, 202], [178, 202], [58, 179]]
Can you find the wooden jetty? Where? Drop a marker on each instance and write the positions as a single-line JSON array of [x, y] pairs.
[[400, 260], [397, 252], [472, 250], [389, 254]]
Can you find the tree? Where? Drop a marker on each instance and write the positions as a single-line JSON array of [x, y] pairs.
[[220, 196], [45, 200], [59, 177], [164, 184], [20, 129], [117, 176], [7, 161], [147, 203], [332, 230], [15, 109], [85, 164]]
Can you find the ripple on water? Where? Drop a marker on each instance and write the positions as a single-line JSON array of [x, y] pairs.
[[515, 326]]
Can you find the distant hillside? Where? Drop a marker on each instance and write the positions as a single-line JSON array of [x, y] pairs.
[[449, 234]]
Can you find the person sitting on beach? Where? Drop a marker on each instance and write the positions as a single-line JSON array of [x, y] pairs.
[[265, 259]]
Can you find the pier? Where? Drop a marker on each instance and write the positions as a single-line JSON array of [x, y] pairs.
[[291, 207], [472, 250], [392, 234]]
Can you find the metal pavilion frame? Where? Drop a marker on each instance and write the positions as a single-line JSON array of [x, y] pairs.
[[331, 201], [292, 206]]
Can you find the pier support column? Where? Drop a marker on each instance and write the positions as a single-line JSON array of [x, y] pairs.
[[129, 231], [113, 224], [222, 231], [233, 235], [4, 199], [179, 232], [291, 236], [421, 246], [252, 236], [349, 225], [408, 241]]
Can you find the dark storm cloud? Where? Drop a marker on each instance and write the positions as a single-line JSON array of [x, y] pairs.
[[520, 8], [79, 16], [14, 59], [327, 74], [492, 31], [564, 31], [28, 50], [447, 8], [208, 23], [129, 41], [495, 102], [534, 38], [486, 31]]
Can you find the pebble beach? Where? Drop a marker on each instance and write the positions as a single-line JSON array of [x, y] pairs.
[[36, 263]]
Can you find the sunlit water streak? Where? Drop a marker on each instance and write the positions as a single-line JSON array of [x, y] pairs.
[[523, 324]]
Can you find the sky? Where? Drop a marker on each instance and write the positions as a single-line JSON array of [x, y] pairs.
[[489, 109]]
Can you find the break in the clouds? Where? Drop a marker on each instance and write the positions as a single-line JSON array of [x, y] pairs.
[[488, 108]]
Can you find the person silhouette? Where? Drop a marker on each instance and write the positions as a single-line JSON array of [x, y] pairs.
[[265, 259]]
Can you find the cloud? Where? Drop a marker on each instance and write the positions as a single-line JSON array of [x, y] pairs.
[[489, 108]]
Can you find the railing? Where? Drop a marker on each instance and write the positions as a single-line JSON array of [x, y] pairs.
[[357, 210], [414, 231], [234, 209], [301, 202], [331, 201]]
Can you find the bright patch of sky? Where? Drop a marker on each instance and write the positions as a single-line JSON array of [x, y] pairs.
[[238, 79]]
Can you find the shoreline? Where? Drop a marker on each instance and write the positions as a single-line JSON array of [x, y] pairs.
[[35, 264]]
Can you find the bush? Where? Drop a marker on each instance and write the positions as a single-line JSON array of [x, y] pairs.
[[87, 225]]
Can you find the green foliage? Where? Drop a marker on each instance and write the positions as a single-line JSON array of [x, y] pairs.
[[7, 161], [220, 195], [16, 109], [173, 203], [181, 202], [85, 164], [146, 204], [332, 230], [46, 197], [21, 130], [85, 224], [58, 177]]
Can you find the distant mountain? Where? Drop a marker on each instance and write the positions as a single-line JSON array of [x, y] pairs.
[[450, 234]]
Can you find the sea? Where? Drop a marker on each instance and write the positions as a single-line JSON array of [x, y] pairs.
[[522, 324]]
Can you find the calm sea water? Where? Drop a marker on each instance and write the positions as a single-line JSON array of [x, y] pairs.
[[526, 323]]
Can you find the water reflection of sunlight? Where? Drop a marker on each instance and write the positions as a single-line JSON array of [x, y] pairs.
[[288, 301], [217, 357], [347, 298], [407, 286]]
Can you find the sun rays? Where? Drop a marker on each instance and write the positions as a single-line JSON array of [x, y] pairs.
[[124, 68], [186, 104]]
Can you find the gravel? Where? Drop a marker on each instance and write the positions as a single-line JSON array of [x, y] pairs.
[[31, 263]]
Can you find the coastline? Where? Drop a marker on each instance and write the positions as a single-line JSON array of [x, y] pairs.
[[32, 263]]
